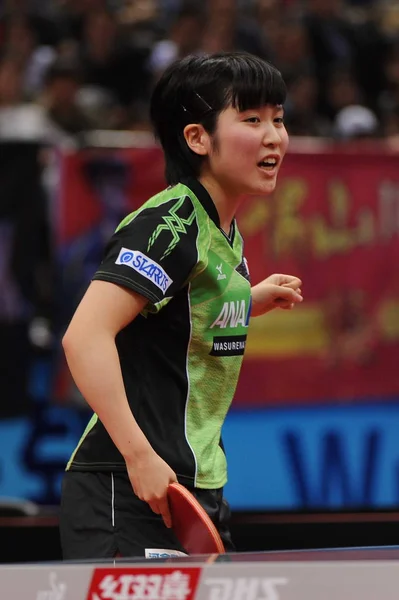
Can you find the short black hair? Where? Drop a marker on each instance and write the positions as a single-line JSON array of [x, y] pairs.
[[196, 89]]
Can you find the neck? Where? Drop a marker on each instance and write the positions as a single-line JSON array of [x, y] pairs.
[[226, 202]]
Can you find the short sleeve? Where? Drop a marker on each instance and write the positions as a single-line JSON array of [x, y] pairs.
[[154, 252]]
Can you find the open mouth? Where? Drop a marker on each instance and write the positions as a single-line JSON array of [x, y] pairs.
[[269, 164]]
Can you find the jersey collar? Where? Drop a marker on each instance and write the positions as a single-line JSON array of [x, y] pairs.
[[208, 205], [204, 197]]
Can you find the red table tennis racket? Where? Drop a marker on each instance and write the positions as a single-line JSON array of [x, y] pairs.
[[191, 524]]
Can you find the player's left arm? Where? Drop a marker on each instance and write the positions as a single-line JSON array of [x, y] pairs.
[[276, 291]]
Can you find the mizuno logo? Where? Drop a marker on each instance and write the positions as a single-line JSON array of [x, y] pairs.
[[173, 223], [220, 269]]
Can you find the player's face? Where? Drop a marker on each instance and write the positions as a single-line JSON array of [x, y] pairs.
[[248, 148]]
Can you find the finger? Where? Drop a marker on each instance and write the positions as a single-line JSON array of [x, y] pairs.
[[163, 506], [284, 303], [294, 283], [287, 294], [289, 306], [298, 291], [155, 507]]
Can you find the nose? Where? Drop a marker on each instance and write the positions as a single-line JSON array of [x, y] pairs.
[[272, 136]]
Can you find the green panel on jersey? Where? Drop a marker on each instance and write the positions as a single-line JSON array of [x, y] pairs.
[[88, 427], [220, 305]]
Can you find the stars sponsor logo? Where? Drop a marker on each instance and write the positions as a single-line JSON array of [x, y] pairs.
[[144, 265]]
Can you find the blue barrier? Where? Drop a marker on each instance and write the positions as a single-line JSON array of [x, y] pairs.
[[319, 458]]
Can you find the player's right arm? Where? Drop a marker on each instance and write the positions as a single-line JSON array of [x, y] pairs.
[[91, 353], [147, 261]]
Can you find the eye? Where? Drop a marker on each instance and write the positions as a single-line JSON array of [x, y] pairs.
[[252, 120], [279, 120]]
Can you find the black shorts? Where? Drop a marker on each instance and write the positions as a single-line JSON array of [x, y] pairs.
[[101, 517]]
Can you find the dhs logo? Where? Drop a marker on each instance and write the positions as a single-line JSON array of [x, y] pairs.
[[147, 267], [245, 588]]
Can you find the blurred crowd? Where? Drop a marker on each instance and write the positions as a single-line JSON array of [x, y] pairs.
[[71, 66]]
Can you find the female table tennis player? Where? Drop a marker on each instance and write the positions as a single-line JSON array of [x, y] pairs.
[[156, 343]]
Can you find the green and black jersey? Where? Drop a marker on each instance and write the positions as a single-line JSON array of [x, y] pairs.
[[181, 357]]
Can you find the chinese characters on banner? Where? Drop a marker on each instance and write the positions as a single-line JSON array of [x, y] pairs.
[[135, 584]]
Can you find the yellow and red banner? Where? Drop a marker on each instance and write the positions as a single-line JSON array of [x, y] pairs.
[[334, 222]]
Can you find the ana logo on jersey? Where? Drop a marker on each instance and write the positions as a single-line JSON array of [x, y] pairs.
[[147, 267], [233, 314]]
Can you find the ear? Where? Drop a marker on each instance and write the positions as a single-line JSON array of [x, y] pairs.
[[197, 138]]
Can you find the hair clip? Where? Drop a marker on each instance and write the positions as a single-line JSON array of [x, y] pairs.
[[204, 101]]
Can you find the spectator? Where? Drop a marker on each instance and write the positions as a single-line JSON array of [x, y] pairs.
[[332, 39], [227, 30], [20, 119], [109, 63], [371, 50], [271, 17], [22, 42], [301, 116], [292, 51], [355, 122], [389, 97], [185, 37], [62, 83], [391, 122], [72, 15], [342, 90], [25, 268]]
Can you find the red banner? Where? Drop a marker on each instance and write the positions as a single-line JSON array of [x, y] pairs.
[[333, 221], [144, 582]]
